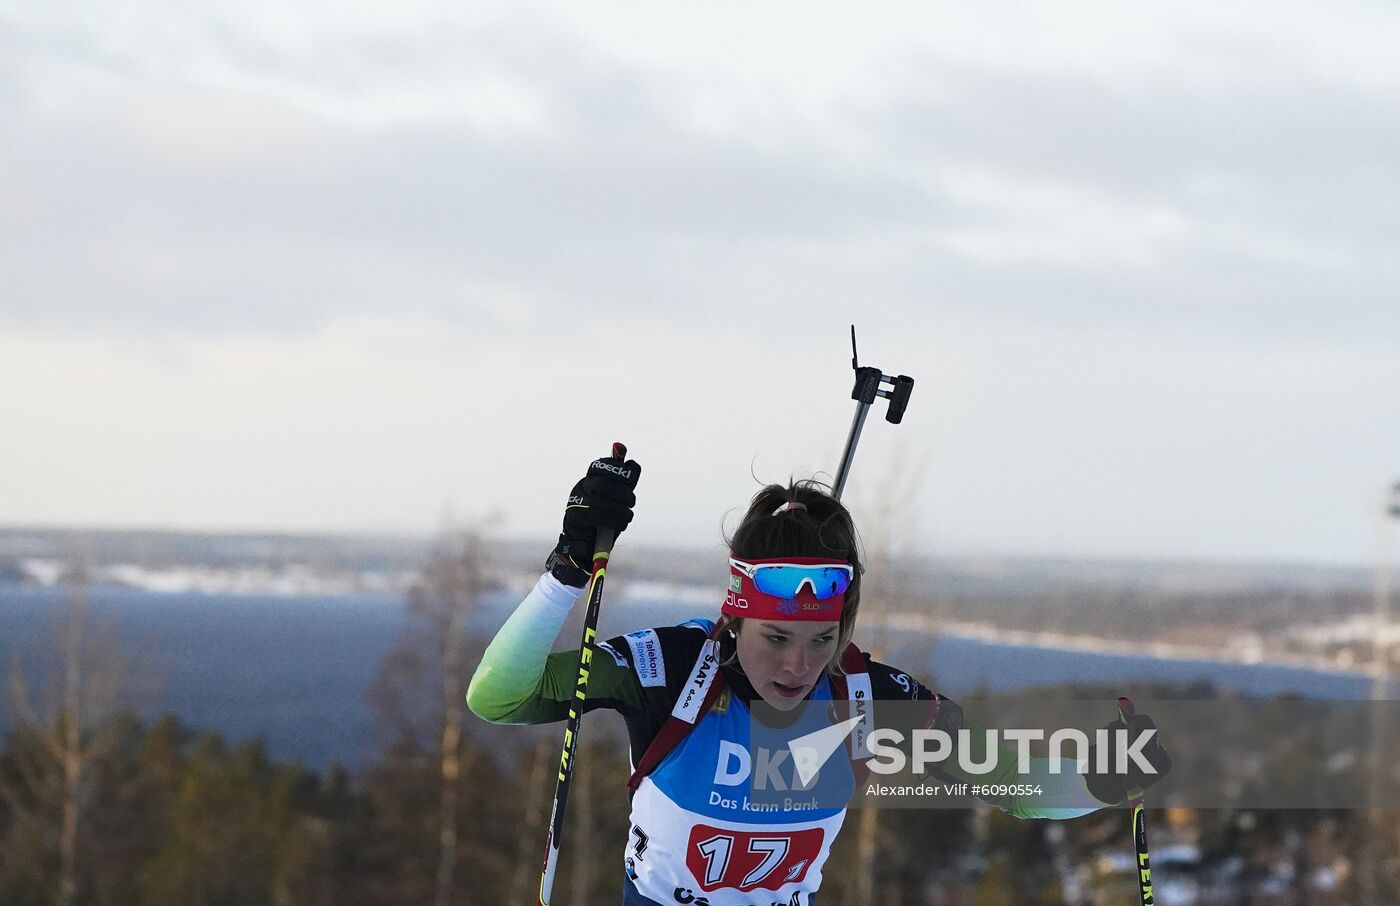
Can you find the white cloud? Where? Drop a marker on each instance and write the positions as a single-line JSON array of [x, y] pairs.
[[324, 265]]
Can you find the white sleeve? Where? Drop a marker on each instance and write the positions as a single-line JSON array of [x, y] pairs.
[[1062, 794]]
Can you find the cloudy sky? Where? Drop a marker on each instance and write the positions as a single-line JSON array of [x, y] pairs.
[[338, 266]]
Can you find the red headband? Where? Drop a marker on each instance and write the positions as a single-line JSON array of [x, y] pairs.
[[744, 600]]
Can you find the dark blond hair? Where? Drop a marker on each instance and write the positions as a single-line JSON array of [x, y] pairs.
[[821, 527]]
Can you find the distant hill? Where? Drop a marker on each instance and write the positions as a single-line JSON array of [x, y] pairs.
[[1139, 599]]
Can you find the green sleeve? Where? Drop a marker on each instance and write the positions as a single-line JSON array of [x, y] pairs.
[[520, 682], [1061, 790]]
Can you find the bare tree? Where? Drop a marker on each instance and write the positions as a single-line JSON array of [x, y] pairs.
[[421, 687], [887, 521], [583, 816], [451, 585], [61, 735], [527, 872]]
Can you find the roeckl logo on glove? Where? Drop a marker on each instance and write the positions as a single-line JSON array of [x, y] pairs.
[[616, 470]]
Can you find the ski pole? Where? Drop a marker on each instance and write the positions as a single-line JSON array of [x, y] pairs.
[[1139, 808], [869, 384], [602, 547]]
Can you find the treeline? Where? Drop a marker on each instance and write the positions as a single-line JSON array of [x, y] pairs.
[[168, 815], [171, 816]]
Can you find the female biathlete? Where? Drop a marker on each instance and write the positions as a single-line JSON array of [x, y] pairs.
[[687, 694]]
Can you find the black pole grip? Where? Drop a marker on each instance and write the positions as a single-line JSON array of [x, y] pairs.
[[607, 537]]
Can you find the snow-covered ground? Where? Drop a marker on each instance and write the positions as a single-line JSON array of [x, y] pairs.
[[291, 580]]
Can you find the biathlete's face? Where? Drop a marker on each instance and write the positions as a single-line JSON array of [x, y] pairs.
[[784, 660]]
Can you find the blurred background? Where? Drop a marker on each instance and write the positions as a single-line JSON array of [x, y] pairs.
[[312, 315]]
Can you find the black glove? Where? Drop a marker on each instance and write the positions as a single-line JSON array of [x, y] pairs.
[[1111, 788], [602, 499]]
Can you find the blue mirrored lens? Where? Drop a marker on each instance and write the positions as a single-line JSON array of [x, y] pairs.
[[787, 581]]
